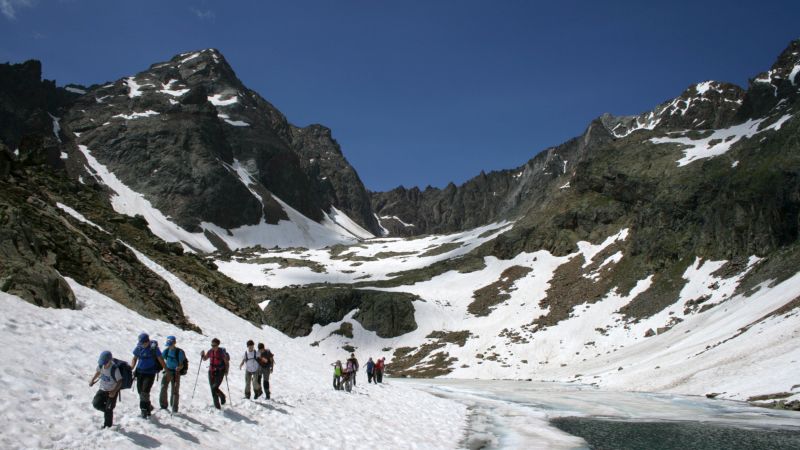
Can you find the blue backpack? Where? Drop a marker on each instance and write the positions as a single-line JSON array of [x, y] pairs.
[[125, 370]]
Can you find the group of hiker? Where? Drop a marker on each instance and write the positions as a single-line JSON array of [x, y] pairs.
[[148, 361], [344, 377]]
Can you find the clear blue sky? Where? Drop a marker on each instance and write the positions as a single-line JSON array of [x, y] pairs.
[[421, 92]]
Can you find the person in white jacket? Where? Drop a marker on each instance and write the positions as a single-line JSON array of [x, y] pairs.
[[252, 370]]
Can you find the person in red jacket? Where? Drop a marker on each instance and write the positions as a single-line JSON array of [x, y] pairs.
[[378, 371], [219, 362]]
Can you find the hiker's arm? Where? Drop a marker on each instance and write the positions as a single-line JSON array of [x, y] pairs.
[[203, 355], [243, 360], [113, 392], [133, 363], [163, 364], [94, 378]]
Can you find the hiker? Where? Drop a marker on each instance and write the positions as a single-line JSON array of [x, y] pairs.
[[370, 370], [337, 375], [175, 359], [252, 371], [379, 370], [348, 374], [219, 362], [354, 362], [110, 378], [147, 362], [267, 362]]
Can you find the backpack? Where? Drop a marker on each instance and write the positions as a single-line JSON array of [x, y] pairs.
[[268, 355], [153, 353], [125, 370], [216, 359], [185, 369]]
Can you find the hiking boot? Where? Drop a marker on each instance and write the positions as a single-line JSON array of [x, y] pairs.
[[255, 397], [222, 398]]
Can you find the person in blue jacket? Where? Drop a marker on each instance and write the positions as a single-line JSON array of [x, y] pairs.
[[146, 363], [370, 370], [174, 358]]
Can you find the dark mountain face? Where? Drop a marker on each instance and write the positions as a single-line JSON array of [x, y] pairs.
[[178, 131]]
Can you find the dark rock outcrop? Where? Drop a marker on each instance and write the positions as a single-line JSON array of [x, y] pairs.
[[294, 311]]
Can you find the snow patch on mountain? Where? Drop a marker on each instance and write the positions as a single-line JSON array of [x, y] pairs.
[[126, 201], [134, 88], [217, 100], [56, 127], [136, 115], [347, 224], [168, 89], [399, 220], [78, 216], [793, 74], [718, 142], [75, 90]]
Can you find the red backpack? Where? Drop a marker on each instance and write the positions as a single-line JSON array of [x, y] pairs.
[[217, 358]]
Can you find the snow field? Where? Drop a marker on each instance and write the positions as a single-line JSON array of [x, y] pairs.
[[574, 350], [343, 271], [46, 402]]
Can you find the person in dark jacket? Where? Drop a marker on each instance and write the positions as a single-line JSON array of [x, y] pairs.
[[370, 370], [146, 363], [352, 359], [267, 362]]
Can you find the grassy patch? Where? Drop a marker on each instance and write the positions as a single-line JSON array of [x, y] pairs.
[[442, 249], [487, 297], [288, 262]]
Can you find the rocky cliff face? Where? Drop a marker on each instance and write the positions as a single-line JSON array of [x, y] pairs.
[[182, 132]]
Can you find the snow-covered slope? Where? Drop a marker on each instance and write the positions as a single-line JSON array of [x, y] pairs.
[[297, 231], [733, 345], [50, 355]]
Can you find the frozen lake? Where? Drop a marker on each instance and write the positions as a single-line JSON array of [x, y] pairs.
[[536, 415]]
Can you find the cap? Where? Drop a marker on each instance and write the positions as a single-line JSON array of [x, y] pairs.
[[144, 337], [170, 340], [104, 358]]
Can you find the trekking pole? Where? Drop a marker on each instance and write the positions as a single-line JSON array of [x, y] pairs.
[[196, 378], [229, 389]]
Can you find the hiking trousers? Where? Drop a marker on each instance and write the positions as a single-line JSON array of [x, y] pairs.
[[264, 373], [144, 383], [337, 382], [102, 402], [378, 376], [252, 378], [215, 379], [170, 381], [369, 377]]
